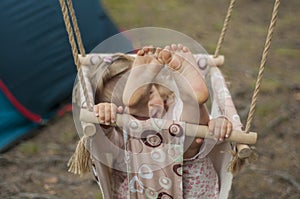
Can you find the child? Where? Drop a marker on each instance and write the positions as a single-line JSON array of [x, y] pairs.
[[143, 99]]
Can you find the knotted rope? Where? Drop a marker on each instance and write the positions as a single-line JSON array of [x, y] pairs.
[[80, 161]]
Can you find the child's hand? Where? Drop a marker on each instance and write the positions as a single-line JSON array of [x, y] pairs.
[[107, 112], [220, 127]]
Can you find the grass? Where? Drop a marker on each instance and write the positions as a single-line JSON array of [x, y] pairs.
[[270, 85], [29, 148], [288, 52], [98, 196], [67, 137]]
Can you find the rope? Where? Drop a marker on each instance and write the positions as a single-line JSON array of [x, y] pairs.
[[224, 29], [262, 64], [76, 28], [70, 33], [73, 44]]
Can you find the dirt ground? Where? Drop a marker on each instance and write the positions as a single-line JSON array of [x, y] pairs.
[[36, 168]]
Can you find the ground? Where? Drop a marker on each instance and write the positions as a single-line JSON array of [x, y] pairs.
[[36, 168]]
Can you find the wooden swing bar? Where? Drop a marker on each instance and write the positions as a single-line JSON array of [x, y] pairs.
[[94, 59], [192, 130]]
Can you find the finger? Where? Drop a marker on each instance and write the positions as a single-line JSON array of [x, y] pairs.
[[107, 114], [222, 130], [216, 131], [101, 113], [113, 113], [211, 126], [199, 140], [229, 129], [96, 110]]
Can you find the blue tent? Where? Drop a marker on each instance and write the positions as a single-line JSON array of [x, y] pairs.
[[37, 71]]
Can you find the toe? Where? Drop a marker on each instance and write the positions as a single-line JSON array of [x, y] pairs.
[[174, 47], [157, 51], [185, 49], [140, 52], [180, 47], [175, 62], [167, 48], [145, 49], [157, 55], [165, 55], [151, 50]]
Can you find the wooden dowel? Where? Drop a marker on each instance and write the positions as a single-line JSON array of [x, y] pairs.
[[95, 58], [244, 151], [89, 129], [191, 129]]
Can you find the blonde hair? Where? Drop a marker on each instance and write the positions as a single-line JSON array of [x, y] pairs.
[[109, 81]]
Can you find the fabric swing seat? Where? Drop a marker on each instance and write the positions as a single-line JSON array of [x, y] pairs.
[[221, 102]]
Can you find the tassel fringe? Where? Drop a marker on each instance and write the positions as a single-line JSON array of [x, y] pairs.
[[80, 161]]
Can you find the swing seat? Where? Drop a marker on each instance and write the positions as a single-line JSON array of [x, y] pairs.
[[221, 98]]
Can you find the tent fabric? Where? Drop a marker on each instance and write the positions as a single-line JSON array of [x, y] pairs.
[[13, 125], [37, 70]]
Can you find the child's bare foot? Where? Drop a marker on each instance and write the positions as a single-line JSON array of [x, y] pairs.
[[180, 58]]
